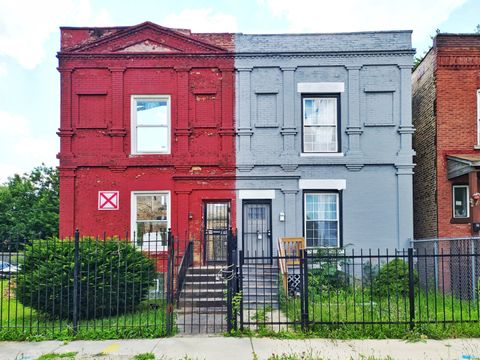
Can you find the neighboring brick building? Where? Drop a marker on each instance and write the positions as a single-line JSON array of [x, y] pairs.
[[147, 132], [446, 115]]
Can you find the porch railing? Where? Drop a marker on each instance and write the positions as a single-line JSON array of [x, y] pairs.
[[289, 251], [187, 261]]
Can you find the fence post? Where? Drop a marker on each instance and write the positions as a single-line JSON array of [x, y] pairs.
[[170, 270], [75, 281], [305, 289], [411, 288], [230, 267], [472, 259], [240, 286]]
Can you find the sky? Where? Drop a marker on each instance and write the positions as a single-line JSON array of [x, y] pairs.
[[30, 39]]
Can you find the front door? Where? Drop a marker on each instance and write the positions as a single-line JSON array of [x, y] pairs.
[[216, 222], [257, 229]]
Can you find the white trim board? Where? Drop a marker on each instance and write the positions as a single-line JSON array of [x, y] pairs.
[[321, 87], [256, 194], [322, 184]]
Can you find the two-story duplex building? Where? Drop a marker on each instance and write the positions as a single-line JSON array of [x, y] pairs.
[[324, 139], [275, 135]]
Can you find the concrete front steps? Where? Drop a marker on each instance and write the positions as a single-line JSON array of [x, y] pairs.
[[260, 286], [202, 307]]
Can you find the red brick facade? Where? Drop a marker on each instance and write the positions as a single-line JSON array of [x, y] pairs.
[[100, 71], [445, 89]]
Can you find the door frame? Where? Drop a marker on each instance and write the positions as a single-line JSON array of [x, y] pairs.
[[204, 226], [258, 202]]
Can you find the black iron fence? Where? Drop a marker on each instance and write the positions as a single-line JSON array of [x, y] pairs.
[[318, 289], [86, 288], [108, 287]]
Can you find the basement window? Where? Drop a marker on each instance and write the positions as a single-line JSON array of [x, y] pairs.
[[150, 124]]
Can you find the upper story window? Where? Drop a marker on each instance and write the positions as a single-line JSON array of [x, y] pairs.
[[321, 122], [150, 124]]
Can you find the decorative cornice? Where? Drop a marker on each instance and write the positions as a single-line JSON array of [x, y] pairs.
[[183, 132], [245, 167], [288, 68], [458, 61], [118, 168], [117, 132], [226, 132], [65, 132], [354, 167], [183, 192], [118, 69], [353, 67], [182, 68], [291, 191], [406, 129], [244, 132], [354, 130], [289, 167], [289, 131]]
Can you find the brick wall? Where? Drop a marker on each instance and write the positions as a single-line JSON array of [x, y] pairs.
[[457, 79], [424, 143]]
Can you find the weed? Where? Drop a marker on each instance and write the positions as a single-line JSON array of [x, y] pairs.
[[54, 356], [144, 356]]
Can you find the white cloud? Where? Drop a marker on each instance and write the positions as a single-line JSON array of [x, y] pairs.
[[202, 20], [25, 25], [24, 148], [353, 15]]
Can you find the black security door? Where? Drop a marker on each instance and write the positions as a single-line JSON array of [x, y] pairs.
[[216, 222], [257, 228]]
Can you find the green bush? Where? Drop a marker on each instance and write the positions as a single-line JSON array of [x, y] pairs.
[[392, 279], [113, 278], [325, 275]]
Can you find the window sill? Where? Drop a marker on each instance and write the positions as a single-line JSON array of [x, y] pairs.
[[460, 220], [322, 154], [476, 147]]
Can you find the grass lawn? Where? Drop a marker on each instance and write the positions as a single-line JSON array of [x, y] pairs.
[[24, 323], [337, 314]]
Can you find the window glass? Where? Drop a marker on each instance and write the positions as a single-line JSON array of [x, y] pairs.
[[321, 219], [320, 124], [152, 139], [460, 201], [152, 112], [151, 220]]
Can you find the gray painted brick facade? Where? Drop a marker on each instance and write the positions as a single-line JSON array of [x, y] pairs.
[[375, 157]]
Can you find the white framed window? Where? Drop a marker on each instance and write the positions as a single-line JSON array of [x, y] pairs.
[[320, 123], [478, 116], [150, 220], [151, 118], [322, 219], [460, 201]]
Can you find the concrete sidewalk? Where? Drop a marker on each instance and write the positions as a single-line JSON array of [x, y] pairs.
[[202, 347]]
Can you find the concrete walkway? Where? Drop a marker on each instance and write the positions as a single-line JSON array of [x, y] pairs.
[[244, 348]]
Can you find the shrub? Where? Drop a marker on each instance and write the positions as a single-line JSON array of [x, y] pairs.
[[325, 275], [113, 278], [393, 279]]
